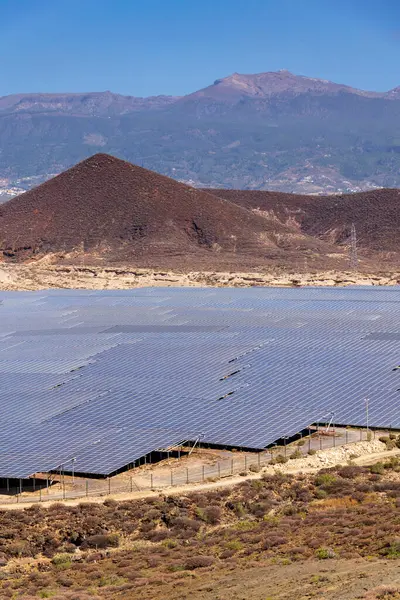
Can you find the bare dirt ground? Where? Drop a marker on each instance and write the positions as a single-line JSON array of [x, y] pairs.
[[333, 580], [43, 275]]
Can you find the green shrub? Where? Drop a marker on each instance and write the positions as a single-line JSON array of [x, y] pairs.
[[234, 545], [61, 558], [324, 553], [377, 469], [239, 509], [392, 463], [320, 494], [325, 479], [311, 452], [393, 550]]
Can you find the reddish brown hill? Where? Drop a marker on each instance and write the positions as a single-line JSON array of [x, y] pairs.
[[376, 214], [114, 211]]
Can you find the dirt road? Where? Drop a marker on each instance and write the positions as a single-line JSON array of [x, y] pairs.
[[366, 459]]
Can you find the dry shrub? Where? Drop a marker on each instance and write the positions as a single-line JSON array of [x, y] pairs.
[[147, 526], [296, 454], [128, 573], [93, 557], [259, 509], [212, 514], [350, 472], [158, 535], [101, 541], [227, 554], [197, 562], [254, 468], [345, 502], [110, 503], [274, 540], [384, 592], [184, 523], [299, 552], [20, 548], [74, 596]]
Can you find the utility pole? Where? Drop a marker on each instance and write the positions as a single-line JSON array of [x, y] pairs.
[[73, 470], [353, 248], [367, 413]]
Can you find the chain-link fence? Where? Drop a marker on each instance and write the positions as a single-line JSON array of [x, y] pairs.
[[157, 478]]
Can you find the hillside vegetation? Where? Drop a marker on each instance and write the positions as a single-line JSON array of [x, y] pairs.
[[174, 546]]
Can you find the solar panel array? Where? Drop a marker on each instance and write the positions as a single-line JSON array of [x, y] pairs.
[[99, 379]]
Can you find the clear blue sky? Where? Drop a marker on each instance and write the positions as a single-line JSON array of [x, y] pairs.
[[149, 47]]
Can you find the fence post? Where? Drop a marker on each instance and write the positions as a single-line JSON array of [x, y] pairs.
[[187, 475], [360, 435], [40, 494], [245, 462], [63, 490], [202, 473], [172, 478], [347, 436], [87, 488], [309, 439], [219, 471], [259, 459], [232, 466], [109, 485], [131, 482], [320, 442], [151, 481]]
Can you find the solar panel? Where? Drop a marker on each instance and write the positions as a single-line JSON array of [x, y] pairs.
[[105, 377]]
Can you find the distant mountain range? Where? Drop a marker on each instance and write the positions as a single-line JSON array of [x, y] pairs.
[[269, 131]]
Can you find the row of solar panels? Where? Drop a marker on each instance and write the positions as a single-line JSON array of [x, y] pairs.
[[142, 369]]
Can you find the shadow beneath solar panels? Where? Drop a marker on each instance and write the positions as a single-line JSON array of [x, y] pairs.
[[13, 487]]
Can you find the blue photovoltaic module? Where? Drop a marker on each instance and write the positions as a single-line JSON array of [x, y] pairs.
[[102, 378]]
